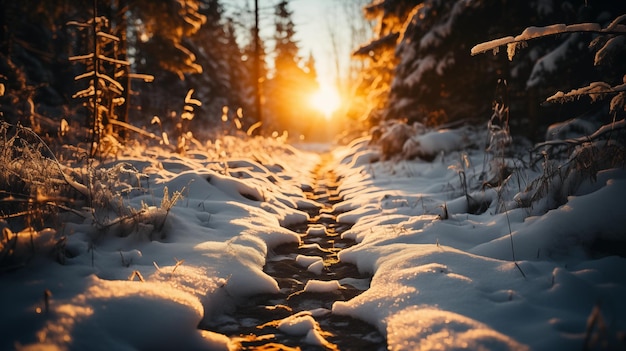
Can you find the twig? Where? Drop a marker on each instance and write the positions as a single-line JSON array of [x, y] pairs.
[[607, 128], [82, 189], [508, 222], [134, 129]]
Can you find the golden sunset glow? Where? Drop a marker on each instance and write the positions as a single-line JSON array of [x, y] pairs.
[[326, 100]]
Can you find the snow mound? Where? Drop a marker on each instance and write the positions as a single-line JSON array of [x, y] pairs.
[[319, 286], [428, 328]]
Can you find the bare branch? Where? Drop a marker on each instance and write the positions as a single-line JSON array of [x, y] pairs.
[[607, 128], [112, 60], [81, 57], [134, 129]]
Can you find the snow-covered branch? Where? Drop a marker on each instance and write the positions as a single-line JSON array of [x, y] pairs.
[[100, 75], [134, 129], [595, 91], [107, 36], [145, 77], [112, 60], [538, 32], [387, 41]]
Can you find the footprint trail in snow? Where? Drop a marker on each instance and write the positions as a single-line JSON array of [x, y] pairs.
[[311, 278]]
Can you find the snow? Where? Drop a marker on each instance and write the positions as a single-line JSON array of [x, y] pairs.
[[491, 45], [298, 324], [443, 278], [303, 324], [319, 286], [532, 33], [423, 65], [595, 91], [609, 49], [316, 230], [433, 37], [314, 264], [549, 62], [429, 144], [450, 284]]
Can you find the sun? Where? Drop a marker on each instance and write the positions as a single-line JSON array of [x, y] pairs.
[[326, 100]]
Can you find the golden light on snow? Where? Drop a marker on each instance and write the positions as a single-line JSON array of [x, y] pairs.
[[326, 100]]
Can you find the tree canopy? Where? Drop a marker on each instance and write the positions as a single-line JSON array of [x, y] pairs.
[[420, 68]]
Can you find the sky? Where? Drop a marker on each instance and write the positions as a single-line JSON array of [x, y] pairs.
[[314, 20]]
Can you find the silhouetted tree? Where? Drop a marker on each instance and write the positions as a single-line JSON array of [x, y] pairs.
[[291, 85], [250, 78]]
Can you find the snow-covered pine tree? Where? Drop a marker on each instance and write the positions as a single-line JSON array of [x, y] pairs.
[[435, 80], [162, 47], [372, 88], [434, 73], [581, 147], [212, 48]]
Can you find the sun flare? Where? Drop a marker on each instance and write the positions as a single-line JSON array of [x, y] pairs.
[[326, 100]]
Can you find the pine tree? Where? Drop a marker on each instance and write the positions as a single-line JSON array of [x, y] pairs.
[[34, 46], [249, 77], [291, 86], [419, 68], [379, 56], [237, 94], [160, 35], [211, 84]]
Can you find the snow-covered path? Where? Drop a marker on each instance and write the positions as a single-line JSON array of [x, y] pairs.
[[311, 278], [145, 272]]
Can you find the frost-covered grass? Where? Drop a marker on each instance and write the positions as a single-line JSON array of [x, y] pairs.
[[157, 243], [161, 242]]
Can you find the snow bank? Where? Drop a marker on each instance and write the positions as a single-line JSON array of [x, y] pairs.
[[429, 145], [429, 328], [157, 269], [446, 279]]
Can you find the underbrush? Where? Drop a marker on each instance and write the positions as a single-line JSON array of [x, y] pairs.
[[34, 186], [45, 195], [39, 195], [514, 173]]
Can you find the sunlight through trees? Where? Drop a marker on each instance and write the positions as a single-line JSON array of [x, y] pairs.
[[326, 99], [235, 194]]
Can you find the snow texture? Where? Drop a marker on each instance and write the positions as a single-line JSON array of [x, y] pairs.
[[443, 278]]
